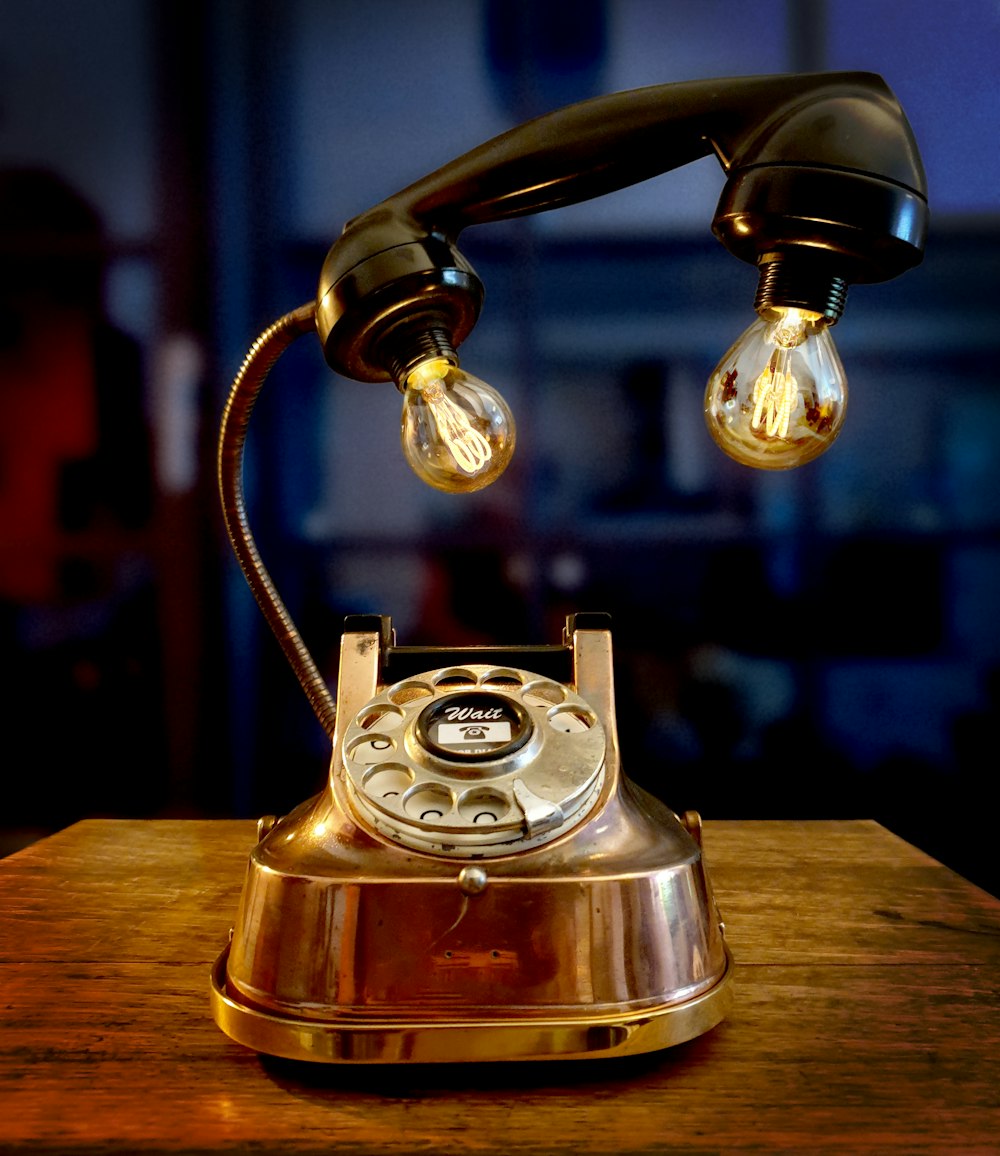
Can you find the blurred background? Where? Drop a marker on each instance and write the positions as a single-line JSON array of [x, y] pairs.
[[822, 643]]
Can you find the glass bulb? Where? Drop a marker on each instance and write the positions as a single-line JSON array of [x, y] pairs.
[[778, 397], [457, 432]]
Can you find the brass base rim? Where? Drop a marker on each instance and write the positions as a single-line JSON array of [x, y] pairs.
[[457, 1041]]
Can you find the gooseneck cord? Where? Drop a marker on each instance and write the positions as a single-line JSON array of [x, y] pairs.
[[243, 395]]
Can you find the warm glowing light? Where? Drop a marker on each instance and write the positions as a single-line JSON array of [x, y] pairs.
[[778, 397], [457, 432]]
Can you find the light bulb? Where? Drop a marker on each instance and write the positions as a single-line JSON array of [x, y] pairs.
[[457, 432], [778, 397]]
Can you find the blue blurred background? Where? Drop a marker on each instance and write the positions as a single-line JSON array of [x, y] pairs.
[[821, 643]]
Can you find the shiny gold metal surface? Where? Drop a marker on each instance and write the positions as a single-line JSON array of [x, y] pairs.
[[396, 1040], [353, 943]]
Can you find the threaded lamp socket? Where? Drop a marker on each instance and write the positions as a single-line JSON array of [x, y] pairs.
[[404, 348], [800, 283]]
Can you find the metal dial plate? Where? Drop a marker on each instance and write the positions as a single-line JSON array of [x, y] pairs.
[[474, 760]]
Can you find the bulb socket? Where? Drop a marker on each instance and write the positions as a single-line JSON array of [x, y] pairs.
[[365, 302], [805, 282], [405, 347]]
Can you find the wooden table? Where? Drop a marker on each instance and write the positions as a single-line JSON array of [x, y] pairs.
[[867, 1016]]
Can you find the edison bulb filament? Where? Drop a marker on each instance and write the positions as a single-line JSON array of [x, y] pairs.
[[457, 432], [774, 395], [468, 447], [778, 397]]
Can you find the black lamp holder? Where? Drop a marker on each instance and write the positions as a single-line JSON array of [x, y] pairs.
[[825, 187]]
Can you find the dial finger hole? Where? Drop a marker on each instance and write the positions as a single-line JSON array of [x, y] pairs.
[[481, 808], [407, 692], [429, 803], [572, 720], [371, 749], [383, 718], [543, 694], [388, 782], [455, 678]]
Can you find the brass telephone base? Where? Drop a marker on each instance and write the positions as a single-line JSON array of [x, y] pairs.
[[478, 880], [389, 1042]]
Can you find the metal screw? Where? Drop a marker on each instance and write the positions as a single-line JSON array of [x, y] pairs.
[[472, 880]]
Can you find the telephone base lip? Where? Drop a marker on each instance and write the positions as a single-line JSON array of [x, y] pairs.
[[462, 1041]]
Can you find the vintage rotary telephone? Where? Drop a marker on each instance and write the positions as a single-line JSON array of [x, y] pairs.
[[478, 880]]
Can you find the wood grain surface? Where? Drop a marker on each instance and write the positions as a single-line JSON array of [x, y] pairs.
[[867, 1016]]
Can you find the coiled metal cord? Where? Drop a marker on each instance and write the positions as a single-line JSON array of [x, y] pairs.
[[246, 387]]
